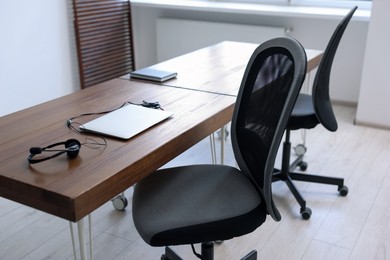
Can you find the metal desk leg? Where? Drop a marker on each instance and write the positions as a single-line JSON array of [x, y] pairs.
[[90, 236], [223, 145], [300, 149], [212, 147], [303, 133], [73, 240], [80, 227], [82, 243]]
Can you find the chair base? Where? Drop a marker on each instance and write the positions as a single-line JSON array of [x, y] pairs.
[[207, 253], [287, 175]]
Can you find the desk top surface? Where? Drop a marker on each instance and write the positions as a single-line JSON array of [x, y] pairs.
[[72, 189], [218, 68]]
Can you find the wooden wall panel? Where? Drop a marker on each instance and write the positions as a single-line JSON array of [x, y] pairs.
[[104, 39]]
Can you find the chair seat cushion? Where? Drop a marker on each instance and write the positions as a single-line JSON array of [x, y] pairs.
[[303, 115], [193, 204]]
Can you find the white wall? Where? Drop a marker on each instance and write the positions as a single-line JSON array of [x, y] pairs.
[[374, 100], [313, 32], [38, 61]]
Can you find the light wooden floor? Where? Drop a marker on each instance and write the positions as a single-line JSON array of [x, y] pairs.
[[352, 227]]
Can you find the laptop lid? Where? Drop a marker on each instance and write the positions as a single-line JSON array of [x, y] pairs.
[[126, 122]]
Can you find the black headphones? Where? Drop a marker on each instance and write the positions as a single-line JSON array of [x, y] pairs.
[[72, 148]]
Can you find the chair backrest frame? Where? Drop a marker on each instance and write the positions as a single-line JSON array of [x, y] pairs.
[[270, 54], [321, 99]]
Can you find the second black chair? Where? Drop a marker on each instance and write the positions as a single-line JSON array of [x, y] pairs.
[[309, 111]]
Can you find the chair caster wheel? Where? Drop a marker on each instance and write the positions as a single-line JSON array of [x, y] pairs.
[[119, 203], [343, 191], [306, 213], [300, 149], [302, 166]]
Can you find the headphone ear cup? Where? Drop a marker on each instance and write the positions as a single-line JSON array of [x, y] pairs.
[[72, 148]]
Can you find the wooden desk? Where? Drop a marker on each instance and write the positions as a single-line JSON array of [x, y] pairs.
[[71, 189], [218, 68]]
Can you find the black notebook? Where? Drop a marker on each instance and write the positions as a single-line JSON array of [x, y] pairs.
[[153, 74]]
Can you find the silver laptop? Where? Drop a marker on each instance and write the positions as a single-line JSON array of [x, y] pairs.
[[126, 122]]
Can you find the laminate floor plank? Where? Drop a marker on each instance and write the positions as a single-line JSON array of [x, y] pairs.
[[374, 240]]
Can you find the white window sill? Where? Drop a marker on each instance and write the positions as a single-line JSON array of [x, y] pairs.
[[257, 9]]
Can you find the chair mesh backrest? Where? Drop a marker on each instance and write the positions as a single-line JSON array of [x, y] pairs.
[[321, 100], [270, 86]]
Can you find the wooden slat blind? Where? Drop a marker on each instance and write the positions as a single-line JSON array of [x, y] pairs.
[[104, 39]]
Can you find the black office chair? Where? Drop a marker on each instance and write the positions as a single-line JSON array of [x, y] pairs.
[[308, 112], [205, 203]]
